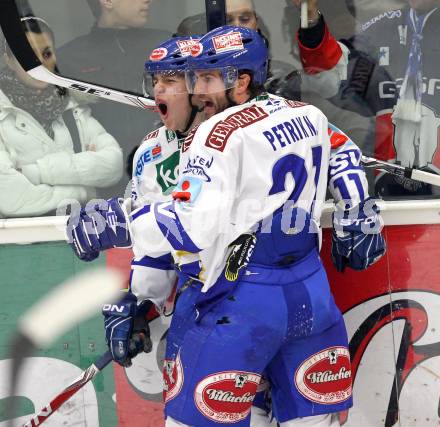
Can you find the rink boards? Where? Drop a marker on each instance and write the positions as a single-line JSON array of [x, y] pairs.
[[391, 311]]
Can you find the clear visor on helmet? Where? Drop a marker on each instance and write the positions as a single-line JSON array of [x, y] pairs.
[[164, 82], [211, 80]]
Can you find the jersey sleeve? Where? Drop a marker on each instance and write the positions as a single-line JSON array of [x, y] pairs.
[[202, 201], [347, 181], [153, 279]]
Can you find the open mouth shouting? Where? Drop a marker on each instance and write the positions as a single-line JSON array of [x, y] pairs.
[[163, 108], [209, 108]]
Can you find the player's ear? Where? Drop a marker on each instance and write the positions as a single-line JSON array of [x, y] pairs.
[[243, 84]]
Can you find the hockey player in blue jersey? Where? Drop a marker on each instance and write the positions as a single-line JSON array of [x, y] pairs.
[[275, 313]]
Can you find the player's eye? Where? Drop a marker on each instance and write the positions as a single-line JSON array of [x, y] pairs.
[[245, 19], [47, 53]]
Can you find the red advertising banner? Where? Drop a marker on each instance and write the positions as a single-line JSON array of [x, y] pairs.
[[391, 311]]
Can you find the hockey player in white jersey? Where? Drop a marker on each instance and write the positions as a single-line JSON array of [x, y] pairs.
[[275, 313], [156, 161]]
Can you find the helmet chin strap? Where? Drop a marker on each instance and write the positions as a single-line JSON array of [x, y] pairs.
[[231, 102], [192, 116], [195, 110]]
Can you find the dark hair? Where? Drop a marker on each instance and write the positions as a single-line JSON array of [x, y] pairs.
[[32, 24], [95, 7], [253, 88]]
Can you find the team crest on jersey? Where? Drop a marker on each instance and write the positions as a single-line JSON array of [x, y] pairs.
[[172, 378], [240, 255], [158, 54], [325, 377], [170, 134], [226, 397], [220, 133], [228, 42], [185, 46]]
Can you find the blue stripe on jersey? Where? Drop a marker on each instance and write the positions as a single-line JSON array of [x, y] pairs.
[[171, 227], [142, 211], [165, 262], [340, 184]]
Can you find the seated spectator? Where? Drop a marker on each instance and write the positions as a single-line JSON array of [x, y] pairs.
[[287, 79], [51, 148]]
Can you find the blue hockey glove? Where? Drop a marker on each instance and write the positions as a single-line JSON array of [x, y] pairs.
[[357, 241], [101, 225], [126, 328]]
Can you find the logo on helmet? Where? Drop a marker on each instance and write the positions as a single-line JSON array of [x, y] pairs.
[[228, 42], [158, 54], [185, 46], [196, 49]]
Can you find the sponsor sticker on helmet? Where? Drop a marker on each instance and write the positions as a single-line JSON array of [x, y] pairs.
[[226, 397], [196, 49], [325, 377], [228, 42], [172, 378], [185, 46], [158, 54]]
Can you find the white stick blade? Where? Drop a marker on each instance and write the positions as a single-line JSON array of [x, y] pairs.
[[70, 303]]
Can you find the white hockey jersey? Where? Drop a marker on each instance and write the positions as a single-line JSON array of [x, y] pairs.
[[237, 169], [155, 175], [156, 167]]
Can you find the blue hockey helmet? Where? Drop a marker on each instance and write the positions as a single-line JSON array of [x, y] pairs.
[[229, 49], [169, 58]]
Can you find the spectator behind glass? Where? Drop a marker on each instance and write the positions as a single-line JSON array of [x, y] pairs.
[[393, 72], [284, 80], [113, 54], [51, 148]]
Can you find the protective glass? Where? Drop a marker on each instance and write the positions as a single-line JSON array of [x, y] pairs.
[[205, 81], [165, 82]]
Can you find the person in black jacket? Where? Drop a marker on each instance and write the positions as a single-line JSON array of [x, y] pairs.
[[113, 54]]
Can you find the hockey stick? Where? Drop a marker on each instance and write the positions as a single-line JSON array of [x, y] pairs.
[[401, 171], [16, 38], [70, 390], [304, 14], [68, 304], [19, 45], [215, 13]]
